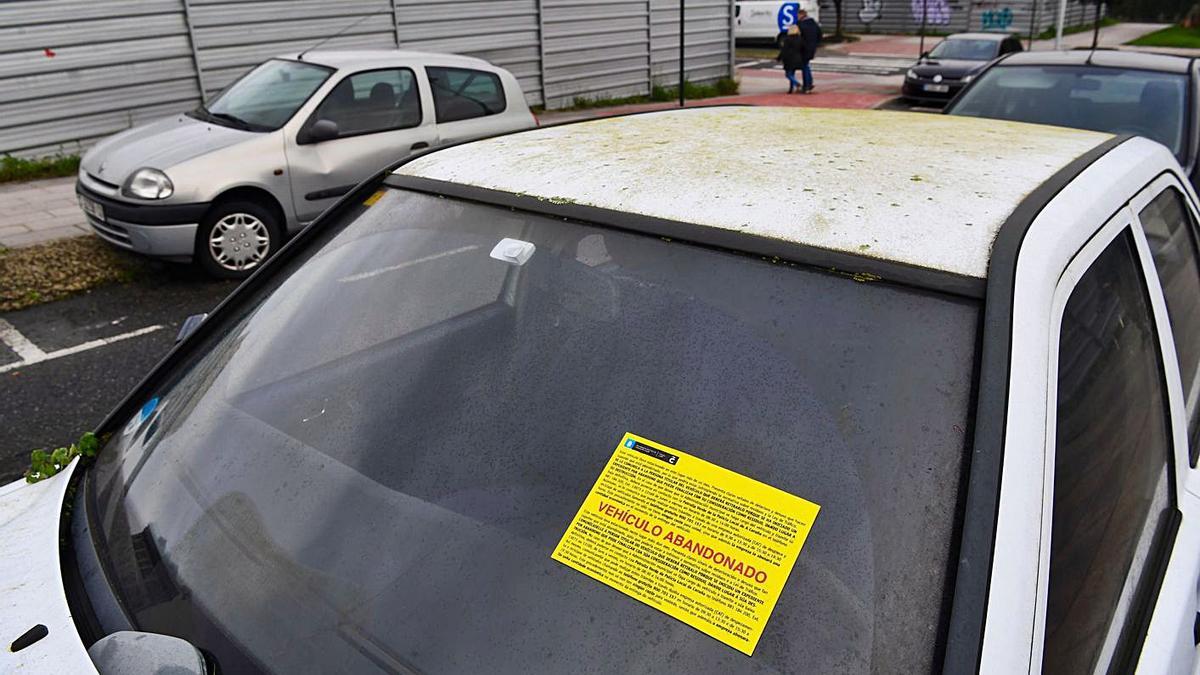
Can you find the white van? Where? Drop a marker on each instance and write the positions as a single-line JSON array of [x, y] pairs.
[[761, 20]]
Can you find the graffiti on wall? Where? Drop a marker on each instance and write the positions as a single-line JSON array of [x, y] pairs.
[[996, 19], [870, 11], [936, 12]]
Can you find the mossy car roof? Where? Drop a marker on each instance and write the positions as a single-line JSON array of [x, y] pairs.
[[924, 190]]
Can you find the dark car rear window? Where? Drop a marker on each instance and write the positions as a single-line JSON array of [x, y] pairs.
[[371, 464]]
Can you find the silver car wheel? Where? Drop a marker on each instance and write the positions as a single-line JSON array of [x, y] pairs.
[[239, 242]]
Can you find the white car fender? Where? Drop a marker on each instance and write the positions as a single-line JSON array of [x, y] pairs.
[[31, 583]]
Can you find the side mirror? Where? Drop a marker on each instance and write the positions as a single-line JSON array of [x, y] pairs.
[[133, 653], [321, 130], [189, 326], [925, 55]]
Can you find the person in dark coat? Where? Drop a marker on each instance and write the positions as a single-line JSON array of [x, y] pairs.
[[791, 54], [810, 36]]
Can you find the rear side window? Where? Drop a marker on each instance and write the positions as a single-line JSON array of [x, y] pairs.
[[1172, 237], [462, 93], [1112, 474], [373, 101]]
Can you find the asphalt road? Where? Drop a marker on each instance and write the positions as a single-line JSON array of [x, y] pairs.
[[86, 372]]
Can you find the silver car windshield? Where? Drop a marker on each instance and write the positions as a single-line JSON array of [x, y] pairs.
[[1142, 102], [368, 464], [267, 97]]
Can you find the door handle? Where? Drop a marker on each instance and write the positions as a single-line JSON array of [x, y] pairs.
[[420, 145]]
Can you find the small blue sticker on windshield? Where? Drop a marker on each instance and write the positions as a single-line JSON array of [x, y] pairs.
[[148, 409]]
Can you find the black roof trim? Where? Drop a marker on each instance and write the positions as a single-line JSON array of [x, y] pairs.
[[972, 583], [859, 267]]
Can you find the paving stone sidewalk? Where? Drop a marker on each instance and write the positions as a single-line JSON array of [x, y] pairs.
[[39, 211]]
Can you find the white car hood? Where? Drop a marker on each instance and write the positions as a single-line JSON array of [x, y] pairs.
[[31, 583]]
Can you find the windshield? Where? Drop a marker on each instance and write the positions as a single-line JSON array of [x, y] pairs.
[[371, 463], [1140, 102], [267, 97], [967, 50]]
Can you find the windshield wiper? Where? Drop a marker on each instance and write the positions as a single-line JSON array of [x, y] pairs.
[[233, 120]]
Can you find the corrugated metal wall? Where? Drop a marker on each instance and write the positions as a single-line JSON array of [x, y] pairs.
[[950, 16], [72, 72]]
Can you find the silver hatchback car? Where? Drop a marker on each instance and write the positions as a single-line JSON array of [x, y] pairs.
[[225, 184]]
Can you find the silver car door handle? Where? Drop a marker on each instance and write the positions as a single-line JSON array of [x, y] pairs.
[[420, 145]]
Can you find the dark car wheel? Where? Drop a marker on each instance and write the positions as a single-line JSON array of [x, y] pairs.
[[235, 238]]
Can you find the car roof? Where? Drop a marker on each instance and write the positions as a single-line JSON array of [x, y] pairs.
[[924, 190], [370, 58], [1110, 58], [979, 36]]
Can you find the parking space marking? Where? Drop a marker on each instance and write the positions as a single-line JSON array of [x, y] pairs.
[[31, 353], [26, 350]]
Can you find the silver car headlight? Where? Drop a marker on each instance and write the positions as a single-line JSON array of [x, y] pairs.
[[147, 183], [911, 74]]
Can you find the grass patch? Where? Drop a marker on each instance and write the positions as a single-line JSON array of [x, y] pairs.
[[1171, 36], [756, 53], [726, 86], [58, 269], [1050, 33], [17, 169]]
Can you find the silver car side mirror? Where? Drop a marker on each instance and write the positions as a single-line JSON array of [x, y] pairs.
[[189, 326], [133, 653]]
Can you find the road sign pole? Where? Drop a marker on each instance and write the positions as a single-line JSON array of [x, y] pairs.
[[681, 71]]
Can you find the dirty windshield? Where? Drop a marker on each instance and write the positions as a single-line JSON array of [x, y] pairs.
[[266, 97], [370, 463]]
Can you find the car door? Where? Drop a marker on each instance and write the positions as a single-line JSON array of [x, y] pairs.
[[1121, 557], [379, 118], [469, 103]]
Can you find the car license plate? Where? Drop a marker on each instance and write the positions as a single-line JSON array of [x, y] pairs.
[[937, 88], [91, 208]]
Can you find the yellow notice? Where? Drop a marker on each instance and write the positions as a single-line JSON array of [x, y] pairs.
[[703, 544]]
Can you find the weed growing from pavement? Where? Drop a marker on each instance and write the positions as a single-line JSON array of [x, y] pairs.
[[14, 169], [43, 465]]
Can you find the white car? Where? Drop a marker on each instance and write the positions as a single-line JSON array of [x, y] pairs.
[[764, 20], [225, 184], [981, 367]]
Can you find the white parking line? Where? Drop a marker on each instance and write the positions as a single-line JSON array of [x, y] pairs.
[[31, 353], [19, 343]]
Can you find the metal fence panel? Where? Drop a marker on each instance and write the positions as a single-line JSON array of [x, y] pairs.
[[71, 71], [595, 49], [707, 40], [950, 16], [503, 32]]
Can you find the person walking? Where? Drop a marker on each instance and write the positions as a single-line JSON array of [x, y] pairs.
[[791, 54], [810, 37]]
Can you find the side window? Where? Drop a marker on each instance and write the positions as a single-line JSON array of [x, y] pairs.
[[1113, 493], [373, 101], [1172, 237], [1009, 46], [461, 93]]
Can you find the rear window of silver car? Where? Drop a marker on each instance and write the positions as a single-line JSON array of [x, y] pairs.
[[370, 464]]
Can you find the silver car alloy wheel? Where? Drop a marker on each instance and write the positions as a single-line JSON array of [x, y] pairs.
[[239, 242]]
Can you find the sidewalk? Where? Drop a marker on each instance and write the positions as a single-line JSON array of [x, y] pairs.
[[39, 211]]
